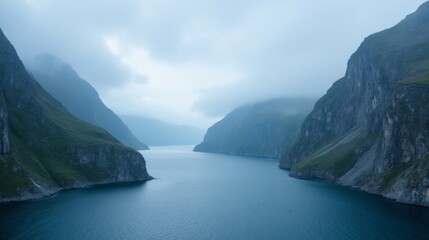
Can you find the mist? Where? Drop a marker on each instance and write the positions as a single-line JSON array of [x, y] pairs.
[[197, 61]]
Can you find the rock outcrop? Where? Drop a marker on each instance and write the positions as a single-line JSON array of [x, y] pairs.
[[44, 149], [263, 129], [4, 126], [371, 129]]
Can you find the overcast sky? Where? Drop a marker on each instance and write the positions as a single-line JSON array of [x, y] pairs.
[[192, 61]]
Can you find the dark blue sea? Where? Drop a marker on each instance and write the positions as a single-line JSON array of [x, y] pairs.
[[213, 196]]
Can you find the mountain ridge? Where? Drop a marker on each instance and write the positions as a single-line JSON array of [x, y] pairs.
[[79, 97], [45, 149], [262, 129], [158, 133]]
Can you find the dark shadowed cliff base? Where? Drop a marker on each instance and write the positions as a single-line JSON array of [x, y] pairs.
[[371, 129]]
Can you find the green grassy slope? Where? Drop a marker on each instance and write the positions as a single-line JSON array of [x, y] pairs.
[[79, 97], [42, 134]]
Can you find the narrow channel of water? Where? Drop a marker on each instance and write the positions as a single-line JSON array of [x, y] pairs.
[[213, 196]]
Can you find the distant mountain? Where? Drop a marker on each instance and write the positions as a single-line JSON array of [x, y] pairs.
[[156, 133], [79, 97], [371, 129], [44, 148], [264, 129]]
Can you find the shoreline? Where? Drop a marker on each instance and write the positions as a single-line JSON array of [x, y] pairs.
[[51, 192], [358, 188]]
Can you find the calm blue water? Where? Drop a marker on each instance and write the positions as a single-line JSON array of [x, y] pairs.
[[212, 196]]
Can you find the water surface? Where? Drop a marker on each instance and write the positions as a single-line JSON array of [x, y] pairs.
[[213, 196]]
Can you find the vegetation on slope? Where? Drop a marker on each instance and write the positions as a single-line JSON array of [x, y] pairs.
[[42, 135]]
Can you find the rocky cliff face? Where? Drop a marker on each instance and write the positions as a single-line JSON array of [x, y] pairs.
[[262, 129], [371, 128], [79, 97], [123, 165], [4, 126], [44, 149]]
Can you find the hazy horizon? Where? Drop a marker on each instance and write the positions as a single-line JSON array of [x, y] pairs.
[[191, 63]]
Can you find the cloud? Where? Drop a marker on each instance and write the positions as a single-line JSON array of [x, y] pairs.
[[170, 89], [71, 30], [191, 62]]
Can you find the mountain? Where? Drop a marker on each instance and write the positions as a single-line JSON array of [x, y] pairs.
[[156, 133], [44, 149], [264, 129], [79, 97], [371, 129]]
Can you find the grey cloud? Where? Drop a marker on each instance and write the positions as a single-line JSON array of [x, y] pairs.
[[68, 29], [282, 48], [305, 57]]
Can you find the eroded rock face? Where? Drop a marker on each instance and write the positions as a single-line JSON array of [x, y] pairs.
[[119, 165], [405, 127], [371, 129], [4, 127]]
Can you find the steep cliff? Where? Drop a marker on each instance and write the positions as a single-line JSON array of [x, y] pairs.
[[263, 129], [44, 148], [79, 97], [371, 129]]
